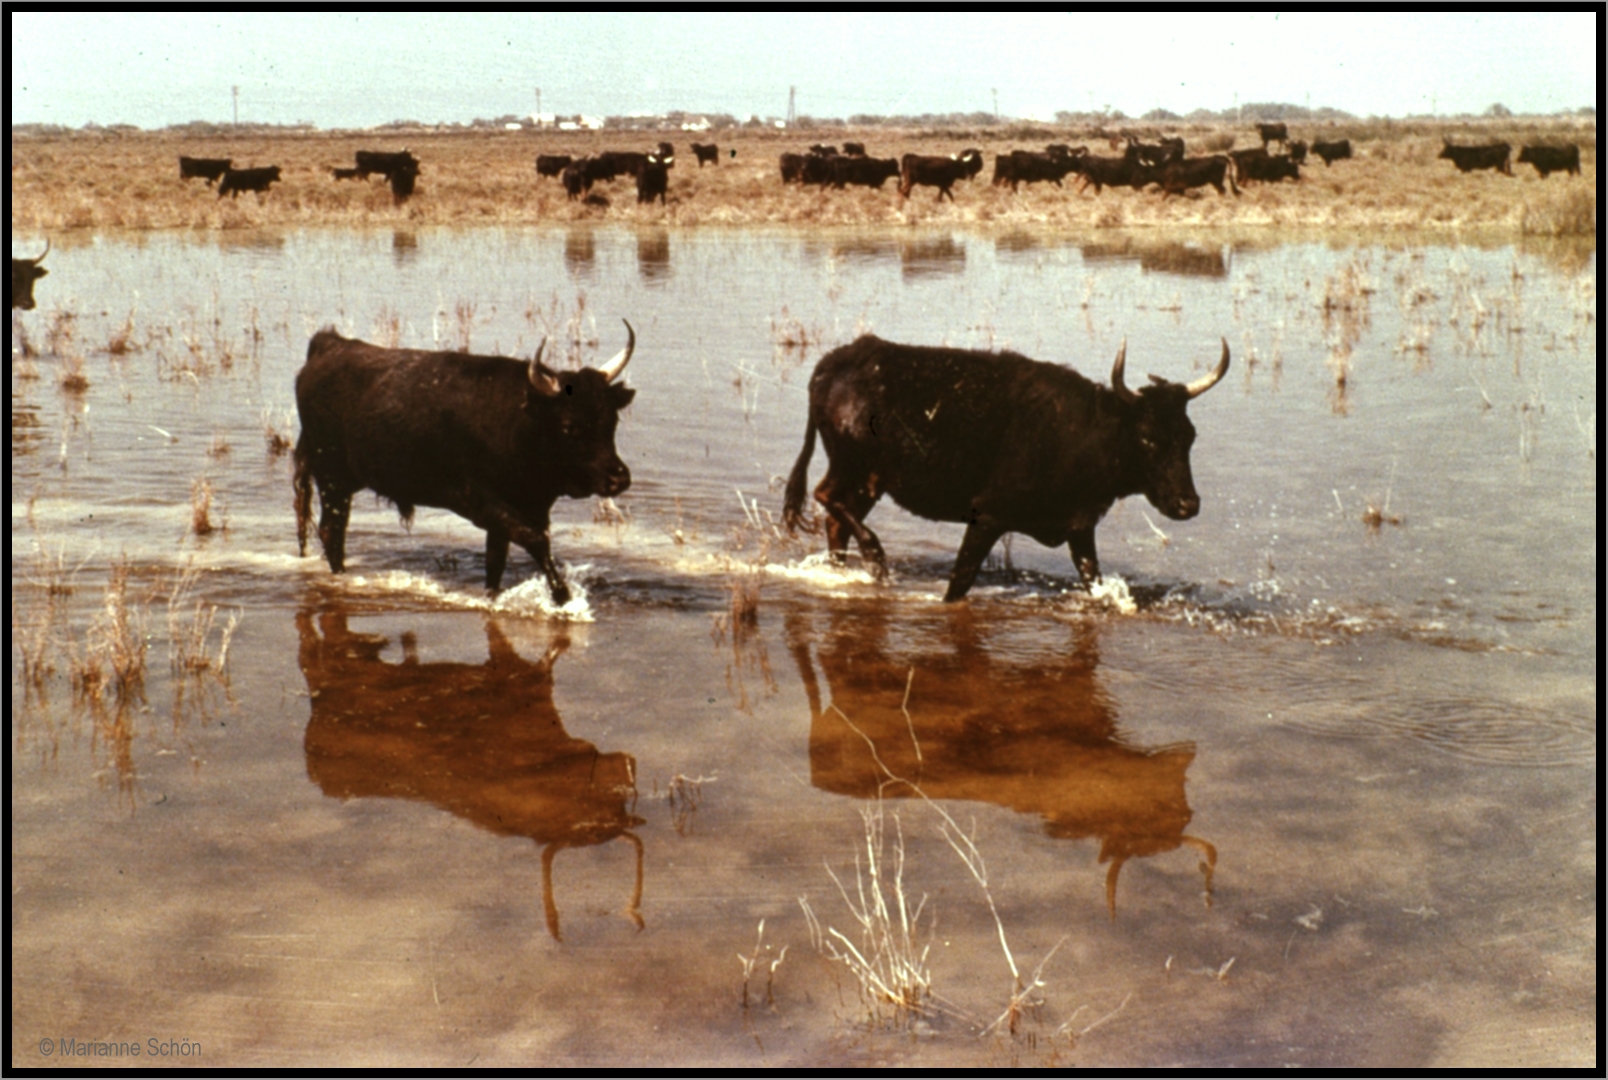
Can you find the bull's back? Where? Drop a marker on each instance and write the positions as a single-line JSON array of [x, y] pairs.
[[928, 423]]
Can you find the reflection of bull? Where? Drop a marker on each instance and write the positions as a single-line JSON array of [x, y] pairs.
[[1036, 738], [483, 741]]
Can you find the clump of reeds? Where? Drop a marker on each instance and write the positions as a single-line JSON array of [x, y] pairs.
[[888, 954], [201, 507], [750, 964], [276, 430], [112, 659], [220, 447], [1572, 211], [684, 795], [72, 378]]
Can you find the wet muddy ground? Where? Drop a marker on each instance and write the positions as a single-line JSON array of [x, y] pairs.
[[1308, 780]]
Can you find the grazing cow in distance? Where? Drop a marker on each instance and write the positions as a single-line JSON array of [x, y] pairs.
[[938, 172], [706, 153], [1468, 158], [494, 440], [1030, 167], [995, 440], [237, 180], [24, 272], [1551, 159], [208, 169], [867, 171], [1104, 172], [854, 149], [384, 162], [1179, 176], [402, 179], [1273, 133], [1154, 156], [653, 181], [575, 178], [1331, 152], [1258, 166], [552, 164], [348, 174], [1297, 149], [823, 150]]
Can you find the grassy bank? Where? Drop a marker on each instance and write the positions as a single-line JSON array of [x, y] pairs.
[[100, 181]]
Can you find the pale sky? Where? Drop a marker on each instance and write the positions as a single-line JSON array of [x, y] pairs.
[[359, 69]]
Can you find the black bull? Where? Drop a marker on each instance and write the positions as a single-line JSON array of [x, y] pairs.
[[484, 742], [999, 442], [962, 721], [494, 440], [24, 272]]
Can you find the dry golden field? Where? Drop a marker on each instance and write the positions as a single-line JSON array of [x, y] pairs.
[[108, 181]]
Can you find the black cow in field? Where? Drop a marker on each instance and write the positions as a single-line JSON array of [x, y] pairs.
[[1104, 172], [706, 153], [1551, 159], [1154, 156], [24, 272], [666, 155], [653, 181], [1031, 167], [1273, 133], [201, 168], [552, 164], [1331, 152], [823, 150], [1297, 149], [612, 163], [384, 162], [1468, 158], [348, 174], [995, 440], [807, 168], [938, 172], [402, 180], [494, 440], [1179, 176], [575, 179], [867, 171], [1258, 166], [854, 149], [237, 180]]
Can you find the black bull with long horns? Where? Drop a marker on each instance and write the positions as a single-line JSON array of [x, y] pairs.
[[996, 441], [494, 440]]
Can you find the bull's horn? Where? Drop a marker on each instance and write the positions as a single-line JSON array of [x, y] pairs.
[[1116, 375], [540, 379], [612, 369], [41, 258], [1211, 378]]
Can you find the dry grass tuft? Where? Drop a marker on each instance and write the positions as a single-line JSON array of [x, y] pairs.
[[201, 507], [276, 429]]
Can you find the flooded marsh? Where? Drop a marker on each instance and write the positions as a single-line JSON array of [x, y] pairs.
[[1306, 780]]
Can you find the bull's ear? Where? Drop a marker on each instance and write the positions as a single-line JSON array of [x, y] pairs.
[[542, 380]]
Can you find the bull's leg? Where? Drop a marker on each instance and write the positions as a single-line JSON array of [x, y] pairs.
[[846, 506], [335, 510], [496, 556], [981, 536], [1081, 544], [303, 486]]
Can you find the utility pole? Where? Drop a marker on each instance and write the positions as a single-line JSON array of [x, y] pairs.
[[995, 91], [792, 113], [236, 90], [538, 106]]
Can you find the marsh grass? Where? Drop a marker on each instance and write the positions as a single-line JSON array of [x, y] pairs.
[[201, 496], [488, 178], [276, 430]]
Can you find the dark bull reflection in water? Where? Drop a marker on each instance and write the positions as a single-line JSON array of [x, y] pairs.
[[1037, 737], [481, 741]]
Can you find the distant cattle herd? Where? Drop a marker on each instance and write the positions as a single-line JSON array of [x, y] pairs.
[[1165, 166]]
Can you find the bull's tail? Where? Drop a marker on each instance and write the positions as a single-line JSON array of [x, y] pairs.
[[793, 504], [303, 486]]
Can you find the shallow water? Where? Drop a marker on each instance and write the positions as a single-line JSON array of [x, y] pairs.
[[1308, 780]]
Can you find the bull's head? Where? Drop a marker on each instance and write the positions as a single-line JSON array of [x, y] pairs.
[[1162, 435], [24, 272], [579, 410]]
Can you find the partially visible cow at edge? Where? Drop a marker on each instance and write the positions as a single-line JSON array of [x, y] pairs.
[[237, 180], [208, 169], [995, 440], [1551, 159], [938, 172], [706, 153], [1468, 158], [494, 440], [24, 272]]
